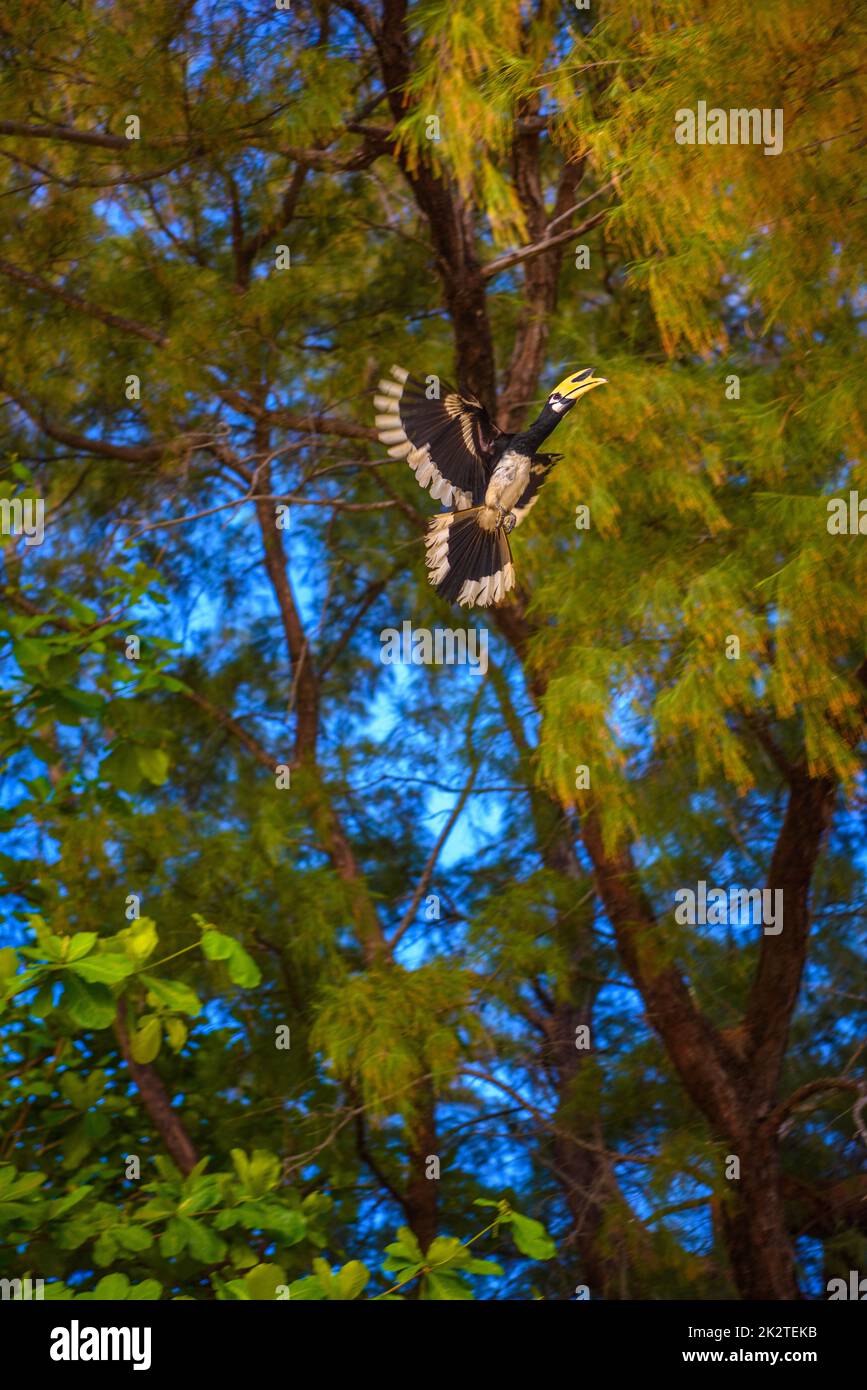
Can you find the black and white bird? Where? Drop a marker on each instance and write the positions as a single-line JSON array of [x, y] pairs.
[[487, 478]]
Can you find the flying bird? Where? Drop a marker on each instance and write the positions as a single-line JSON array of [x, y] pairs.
[[487, 478]]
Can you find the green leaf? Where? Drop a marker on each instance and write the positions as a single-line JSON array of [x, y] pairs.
[[232, 1290], [352, 1279], [74, 1089], [202, 1192], [76, 1147], [203, 1243], [105, 1249], [262, 1282], [531, 1238], [173, 995], [148, 1290], [8, 963], [17, 1184], [173, 1238], [133, 1238], [144, 1042], [52, 946], [67, 1201], [121, 768], [107, 968], [140, 939], [79, 945], [406, 1247], [273, 1217], [486, 1267], [440, 1288], [30, 652], [243, 970], [44, 1001], [112, 1286], [62, 667], [216, 945], [177, 1033], [307, 1290], [257, 1174], [90, 1006], [154, 765], [242, 1256]]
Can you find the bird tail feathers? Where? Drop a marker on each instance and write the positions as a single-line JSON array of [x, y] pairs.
[[470, 563]]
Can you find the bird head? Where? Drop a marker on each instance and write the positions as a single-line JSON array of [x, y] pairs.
[[572, 388]]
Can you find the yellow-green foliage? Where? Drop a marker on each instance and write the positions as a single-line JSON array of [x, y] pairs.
[[389, 1030]]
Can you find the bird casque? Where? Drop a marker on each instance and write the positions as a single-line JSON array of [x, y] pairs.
[[487, 478]]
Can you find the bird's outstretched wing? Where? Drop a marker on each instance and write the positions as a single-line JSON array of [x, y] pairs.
[[448, 441], [540, 467]]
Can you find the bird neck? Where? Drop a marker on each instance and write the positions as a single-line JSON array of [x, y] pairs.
[[529, 440]]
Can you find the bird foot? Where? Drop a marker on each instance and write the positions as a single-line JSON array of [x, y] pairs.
[[506, 520]]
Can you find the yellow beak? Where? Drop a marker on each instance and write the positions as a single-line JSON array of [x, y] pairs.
[[578, 384]]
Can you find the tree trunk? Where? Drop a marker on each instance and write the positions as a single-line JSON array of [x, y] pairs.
[[755, 1229], [420, 1202]]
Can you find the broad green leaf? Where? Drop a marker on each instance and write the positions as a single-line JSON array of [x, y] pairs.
[[174, 1238], [140, 939], [203, 1243], [352, 1279], [216, 945], [262, 1282], [243, 970], [173, 995], [79, 945], [105, 1249], [406, 1247], [144, 1041], [108, 968], [201, 1193], [76, 1090], [306, 1290], [149, 1290], [439, 1288], [91, 1006], [112, 1286], [154, 764], [531, 1238], [30, 652], [263, 1172], [133, 1238], [121, 768]]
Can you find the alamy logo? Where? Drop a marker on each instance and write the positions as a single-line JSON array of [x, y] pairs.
[[739, 126], [855, 1289], [22, 1289], [442, 647], [848, 520], [23, 516], [738, 906], [76, 1343]]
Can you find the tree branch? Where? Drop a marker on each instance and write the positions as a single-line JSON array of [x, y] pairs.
[[424, 880], [540, 247], [156, 1101], [780, 966], [74, 301]]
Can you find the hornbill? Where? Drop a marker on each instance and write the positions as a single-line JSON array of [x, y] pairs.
[[487, 478]]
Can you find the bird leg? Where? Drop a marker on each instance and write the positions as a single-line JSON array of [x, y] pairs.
[[506, 520]]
